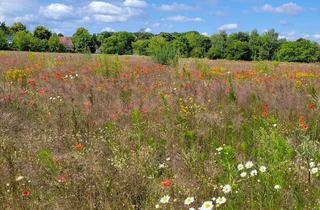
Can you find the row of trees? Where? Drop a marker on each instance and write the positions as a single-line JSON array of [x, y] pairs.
[[236, 46]]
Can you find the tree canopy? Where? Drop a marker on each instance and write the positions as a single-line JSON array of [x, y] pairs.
[[235, 46]]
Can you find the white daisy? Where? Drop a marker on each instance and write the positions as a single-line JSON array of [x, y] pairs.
[[249, 164], [254, 172], [243, 174], [165, 199], [314, 170], [208, 205], [263, 169], [240, 167], [221, 200], [189, 200], [226, 189], [277, 187]]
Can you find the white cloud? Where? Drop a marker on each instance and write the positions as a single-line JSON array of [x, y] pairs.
[[107, 12], [110, 18], [149, 30], [28, 18], [135, 3], [56, 11], [104, 8], [205, 34], [180, 18], [228, 27], [108, 29], [175, 7], [287, 9]]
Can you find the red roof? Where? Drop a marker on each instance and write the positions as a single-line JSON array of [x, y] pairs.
[[66, 41]]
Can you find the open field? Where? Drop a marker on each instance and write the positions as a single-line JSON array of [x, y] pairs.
[[107, 132]]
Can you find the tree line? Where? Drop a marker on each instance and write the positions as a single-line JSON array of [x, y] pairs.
[[250, 46]]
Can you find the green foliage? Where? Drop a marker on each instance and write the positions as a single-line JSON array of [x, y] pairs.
[[46, 161], [109, 66], [238, 50], [16, 27], [54, 44], [119, 43], [166, 55], [299, 51], [42, 32], [140, 47], [23, 41], [219, 45], [236, 46], [3, 40], [82, 41], [198, 43]]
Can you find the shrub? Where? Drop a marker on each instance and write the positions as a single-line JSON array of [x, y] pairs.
[[165, 55]]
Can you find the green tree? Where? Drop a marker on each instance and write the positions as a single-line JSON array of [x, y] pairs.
[[42, 32], [16, 27], [82, 41], [255, 45], [4, 28], [140, 47], [301, 50], [219, 45], [119, 43], [199, 44], [23, 41], [238, 50], [39, 45], [3, 40], [54, 44], [269, 44], [182, 46]]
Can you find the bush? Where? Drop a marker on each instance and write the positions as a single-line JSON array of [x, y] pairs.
[[301, 50], [140, 47], [165, 55], [3, 41]]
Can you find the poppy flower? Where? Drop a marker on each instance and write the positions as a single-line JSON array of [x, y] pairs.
[[26, 193], [312, 106], [78, 147], [166, 183]]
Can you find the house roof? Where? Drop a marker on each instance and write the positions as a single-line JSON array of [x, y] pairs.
[[66, 41]]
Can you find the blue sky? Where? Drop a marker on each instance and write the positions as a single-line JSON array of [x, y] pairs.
[[292, 19]]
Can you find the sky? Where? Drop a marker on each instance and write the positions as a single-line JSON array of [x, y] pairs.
[[292, 19]]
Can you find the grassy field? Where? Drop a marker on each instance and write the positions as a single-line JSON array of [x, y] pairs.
[[106, 132]]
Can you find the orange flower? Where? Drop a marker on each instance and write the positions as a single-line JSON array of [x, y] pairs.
[[264, 114], [78, 147], [166, 183], [312, 106]]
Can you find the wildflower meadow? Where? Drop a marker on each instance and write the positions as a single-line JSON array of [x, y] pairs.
[[123, 132]]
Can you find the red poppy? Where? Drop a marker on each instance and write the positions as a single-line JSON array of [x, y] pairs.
[[166, 183], [312, 106], [78, 147], [26, 193]]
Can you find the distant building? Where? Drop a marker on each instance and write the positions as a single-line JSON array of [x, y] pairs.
[[67, 43]]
